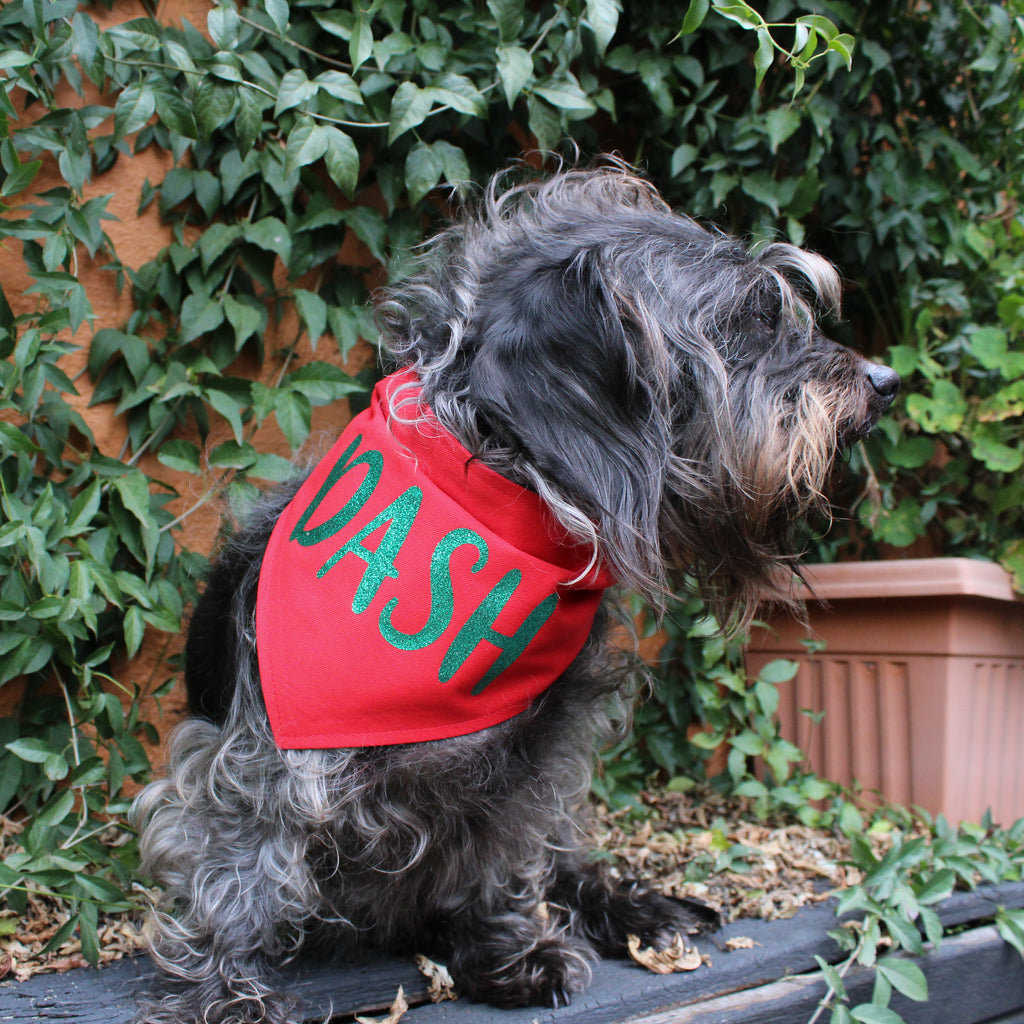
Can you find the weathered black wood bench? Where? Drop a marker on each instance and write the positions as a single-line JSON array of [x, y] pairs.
[[973, 978]]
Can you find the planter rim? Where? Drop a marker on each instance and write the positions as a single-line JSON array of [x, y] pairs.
[[909, 577]]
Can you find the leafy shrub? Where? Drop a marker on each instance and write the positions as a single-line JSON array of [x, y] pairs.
[[295, 128]]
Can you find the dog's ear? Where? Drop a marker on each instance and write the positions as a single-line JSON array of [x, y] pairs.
[[562, 375]]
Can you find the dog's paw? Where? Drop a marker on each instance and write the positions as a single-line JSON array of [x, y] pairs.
[[549, 974]]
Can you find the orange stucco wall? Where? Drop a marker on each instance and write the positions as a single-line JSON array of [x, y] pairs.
[[137, 238]]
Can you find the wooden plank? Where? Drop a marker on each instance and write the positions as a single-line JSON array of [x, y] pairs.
[[110, 995], [619, 990], [974, 977]]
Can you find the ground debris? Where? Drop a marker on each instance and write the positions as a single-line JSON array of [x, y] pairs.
[[675, 957], [702, 845], [440, 985]]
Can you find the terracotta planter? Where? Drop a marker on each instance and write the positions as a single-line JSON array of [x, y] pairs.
[[921, 682]]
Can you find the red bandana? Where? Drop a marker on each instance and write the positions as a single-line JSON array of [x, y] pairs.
[[410, 593]]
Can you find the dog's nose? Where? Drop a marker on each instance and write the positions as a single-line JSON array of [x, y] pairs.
[[886, 382]]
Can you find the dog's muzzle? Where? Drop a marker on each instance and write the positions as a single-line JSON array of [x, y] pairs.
[[886, 383]]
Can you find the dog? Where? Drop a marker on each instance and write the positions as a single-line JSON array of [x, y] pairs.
[[400, 666]]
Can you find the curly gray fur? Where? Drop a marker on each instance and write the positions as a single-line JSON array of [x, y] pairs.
[[671, 397]]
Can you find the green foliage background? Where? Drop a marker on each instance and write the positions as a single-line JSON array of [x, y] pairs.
[[302, 124]]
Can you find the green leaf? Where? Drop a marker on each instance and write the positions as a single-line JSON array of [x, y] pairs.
[[764, 56], [321, 382], [200, 314], [566, 94], [293, 90], [905, 977], [360, 43], [313, 311], [341, 160], [55, 810], [271, 234], [134, 107], [869, 1013], [248, 120], [508, 16], [31, 750], [739, 12], [423, 169], [307, 142], [20, 178], [13, 440], [277, 11], [180, 455], [780, 124], [515, 69], [222, 23], [134, 630], [832, 977], [232, 455], [213, 104], [133, 490], [294, 416], [603, 18], [779, 671], [228, 406], [246, 316], [695, 15], [409, 107], [339, 85]]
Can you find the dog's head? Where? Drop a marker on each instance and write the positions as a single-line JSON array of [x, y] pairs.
[[666, 390]]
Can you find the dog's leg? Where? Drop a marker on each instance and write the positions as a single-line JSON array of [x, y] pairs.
[[606, 911], [236, 889], [519, 954]]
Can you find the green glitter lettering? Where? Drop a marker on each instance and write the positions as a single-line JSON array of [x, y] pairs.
[[480, 626], [370, 458], [380, 564], [442, 594]]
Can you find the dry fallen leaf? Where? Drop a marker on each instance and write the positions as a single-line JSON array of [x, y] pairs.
[[440, 985], [739, 942], [398, 1011], [677, 957]]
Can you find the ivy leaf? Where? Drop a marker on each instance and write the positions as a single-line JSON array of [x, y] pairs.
[[294, 90], [32, 750], [175, 113], [341, 160], [294, 416], [764, 55], [246, 316], [780, 124], [565, 94], [339, 85], [423, 169], [905, 977], [180, 455], [200, 314], [133, 490], [213, 103], [515, 69], [603, 17], [271, 234], [223, 24], [277, 11], [360, 43], [508, 16], [307, 142], [870, 1013], [313, 311], [694, 17], [248, 120], [409, 107], [134, 107], [322, 382]]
